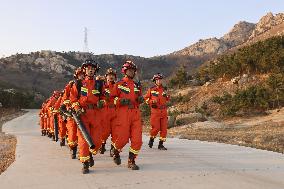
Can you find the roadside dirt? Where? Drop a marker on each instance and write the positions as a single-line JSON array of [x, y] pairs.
[[7, 142], [262, 132]]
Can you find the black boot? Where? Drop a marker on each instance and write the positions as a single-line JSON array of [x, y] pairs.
[[85, 168], [42, 132], [53, 137], [111, 151], [73, 152], [116, 157], [131, 162], [49, 134], [103, 148], [161, 146], [62, 142], [151, 142], [92, 162]]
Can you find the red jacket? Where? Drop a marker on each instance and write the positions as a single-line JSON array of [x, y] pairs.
[[90, 93], [127, 89]]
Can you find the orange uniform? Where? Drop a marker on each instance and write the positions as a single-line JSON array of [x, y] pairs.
[[87, 99], [129, 124], [109, 114], [71, 124], [41, 116], [50, 113], [157, 98], [61, 123]]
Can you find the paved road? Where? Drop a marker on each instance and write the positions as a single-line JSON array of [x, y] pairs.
[[41, 163]]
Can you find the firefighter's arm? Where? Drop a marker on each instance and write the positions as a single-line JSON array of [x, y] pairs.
[[66, 100], [102, 102], [74, 93], [147, 97], [140, 98], [118, 101]]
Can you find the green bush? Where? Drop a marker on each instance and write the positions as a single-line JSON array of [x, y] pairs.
[[18, 100], [262, 57], [255, 98]]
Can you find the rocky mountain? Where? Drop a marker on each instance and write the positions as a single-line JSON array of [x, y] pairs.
[[44, 71], [242, 33]]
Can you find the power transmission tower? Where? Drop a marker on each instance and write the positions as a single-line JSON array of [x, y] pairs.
[[86, 48]]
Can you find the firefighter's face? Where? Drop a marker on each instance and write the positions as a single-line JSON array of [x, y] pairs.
[[110, 77], [90, 71], [158, 82], [130, 73], [81, 76]]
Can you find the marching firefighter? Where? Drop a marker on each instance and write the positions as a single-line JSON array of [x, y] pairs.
[[109, 111], [86, 101], [128, 98], [51, 112], [61, 119], [66, 108], [157, 98], [42, 115]]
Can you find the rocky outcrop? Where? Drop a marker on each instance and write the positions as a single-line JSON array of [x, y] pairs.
[[266, 23], [242, 33], [238, 34]]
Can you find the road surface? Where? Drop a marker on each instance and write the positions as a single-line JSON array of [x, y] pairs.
[[41, 163]]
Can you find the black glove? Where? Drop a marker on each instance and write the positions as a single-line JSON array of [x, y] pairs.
[[154, 104], [140, 99], [79, 111], [125, 101], [100, 104]]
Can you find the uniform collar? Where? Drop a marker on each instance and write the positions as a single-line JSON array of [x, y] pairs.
[[126, 79]]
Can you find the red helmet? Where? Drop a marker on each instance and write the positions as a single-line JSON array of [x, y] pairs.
[[111, 71], [90, 62], [56, 93], [77, 72], [128, 64], [157, 76]]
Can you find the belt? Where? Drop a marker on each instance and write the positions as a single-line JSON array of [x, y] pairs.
[[91, 106], [161, 107], [111, 106], [131, 106]]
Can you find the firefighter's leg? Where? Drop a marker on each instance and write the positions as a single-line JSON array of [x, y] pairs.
[[135, 138], [155, 122], [123, 133], [72, 137], [163, 132]]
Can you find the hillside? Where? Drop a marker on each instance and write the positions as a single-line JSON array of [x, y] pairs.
[[44, 71]]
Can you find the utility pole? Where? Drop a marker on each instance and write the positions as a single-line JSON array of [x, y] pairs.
[[86, 48]]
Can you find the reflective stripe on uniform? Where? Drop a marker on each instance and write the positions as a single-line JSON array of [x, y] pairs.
[[84, 91], [124, 89], [94, 152], [84, 159], [75, 104], [94, 92], [66, 102], [133, 151], [115, 100]]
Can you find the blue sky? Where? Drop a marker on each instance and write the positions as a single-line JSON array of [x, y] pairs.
[[145, 28]]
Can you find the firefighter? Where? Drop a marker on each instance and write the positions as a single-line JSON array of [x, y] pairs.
[[72, 139], [41, 121], [45, 120], [61, 119], [109, 111], [128, 97], [51, 112], [86, 101], [157, 98]]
